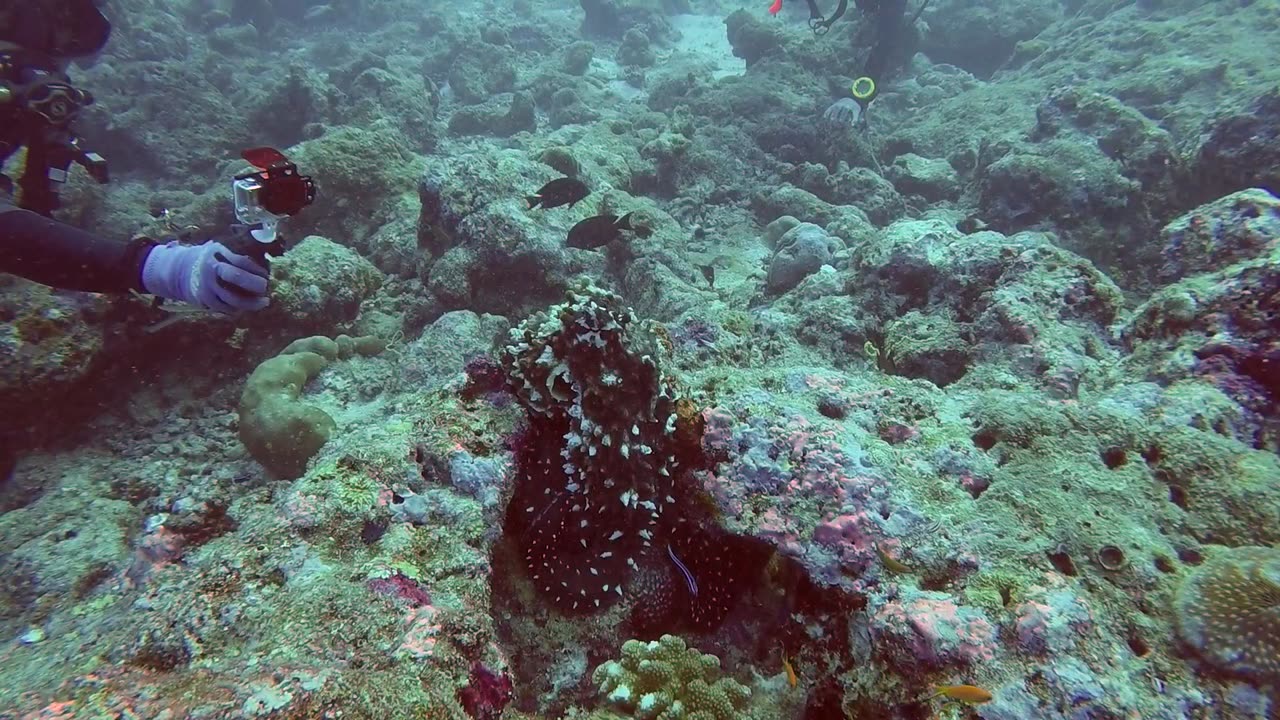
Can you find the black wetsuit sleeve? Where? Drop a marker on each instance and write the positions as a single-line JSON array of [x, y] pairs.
[[59, 255]]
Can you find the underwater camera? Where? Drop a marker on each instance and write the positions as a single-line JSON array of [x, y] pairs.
[[269, 193]]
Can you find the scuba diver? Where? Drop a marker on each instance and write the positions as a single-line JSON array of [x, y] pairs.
[[887, 16], [38, 104], [888, 22]]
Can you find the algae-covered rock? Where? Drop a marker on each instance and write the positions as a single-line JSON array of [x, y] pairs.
[[562, 159], [394, 96], [752, 38], [954, 25], [568, 108], [355, 193], [278, 430], [1239, 227], [502, 115], [442, 352], [872, 194], [318, 285], [507, 260], [927, 345], [802, 250], [577, 57], [931, 178], [635, 50], [1103, 173], [48, 347], [1239, 151], [774, 231], [61, 546], [481, 71]]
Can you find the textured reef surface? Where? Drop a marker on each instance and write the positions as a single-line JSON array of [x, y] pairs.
[[965, 405]]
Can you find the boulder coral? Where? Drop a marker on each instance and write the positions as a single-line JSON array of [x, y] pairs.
[[278, 430]]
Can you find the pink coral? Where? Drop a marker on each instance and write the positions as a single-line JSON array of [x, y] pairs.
[[401, 587], [302, 511], [717, 433], [54, 711], [896, 433], [155, 550], [1052, 618], [419, 640], [934, 630], [798, 484], [852, 538], [486, 693]]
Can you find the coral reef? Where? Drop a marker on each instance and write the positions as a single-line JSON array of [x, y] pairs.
[[596, 469], [602, 491], [967, 393]]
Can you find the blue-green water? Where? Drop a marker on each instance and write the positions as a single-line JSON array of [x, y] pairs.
[[640, 359]]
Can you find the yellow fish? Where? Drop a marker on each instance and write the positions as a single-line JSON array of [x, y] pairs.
[[891, 563], [971, 694], [791, 671]]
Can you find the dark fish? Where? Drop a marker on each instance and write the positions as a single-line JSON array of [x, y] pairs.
[[709, 273], [561, 191], [971, 224], [598, 231]]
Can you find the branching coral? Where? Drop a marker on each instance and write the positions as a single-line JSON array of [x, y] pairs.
[[664, 679]]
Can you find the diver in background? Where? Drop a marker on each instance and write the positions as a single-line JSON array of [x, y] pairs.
[[890, 27], [888, 18], [38, 41]]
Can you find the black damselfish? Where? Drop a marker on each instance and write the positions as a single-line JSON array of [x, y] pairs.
[[561, 191], [598, 231]]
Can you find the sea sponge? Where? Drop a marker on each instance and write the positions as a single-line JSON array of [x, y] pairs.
[[279, 431], [664, 679], [1228, 610]]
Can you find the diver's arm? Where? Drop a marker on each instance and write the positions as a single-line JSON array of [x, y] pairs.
[[59, 255]]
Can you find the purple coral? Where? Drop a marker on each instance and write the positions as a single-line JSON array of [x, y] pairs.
[[826, 499], [486, 693], [695, 333], [401, 587], [851, 538], [484, 377]]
